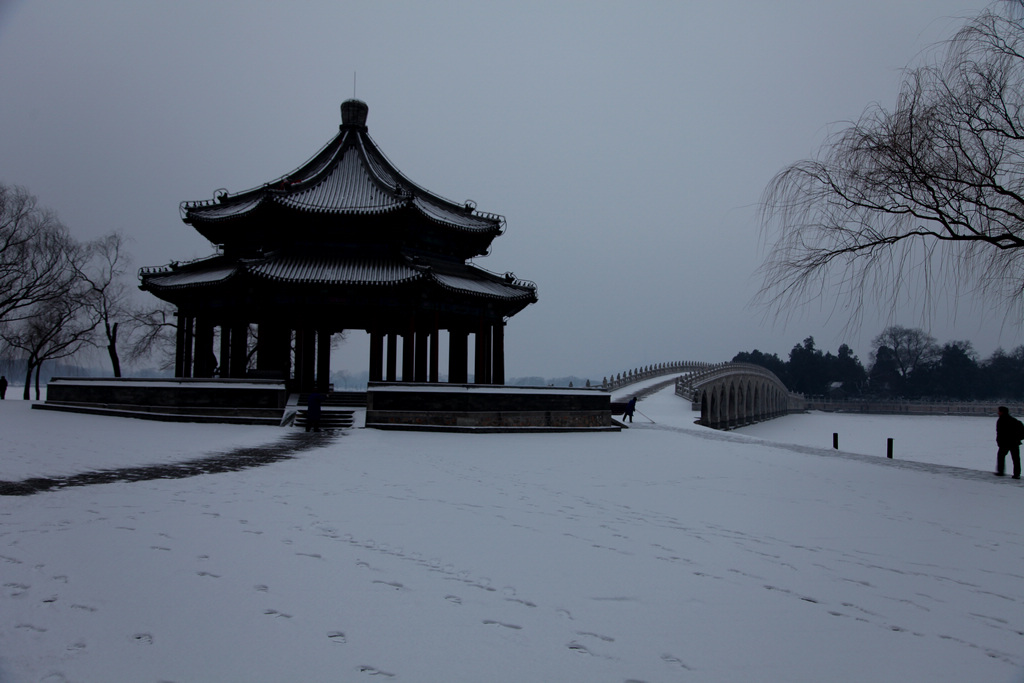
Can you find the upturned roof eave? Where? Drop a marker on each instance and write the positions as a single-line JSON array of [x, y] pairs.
[[389, 181], [211, 271], [322, 158]]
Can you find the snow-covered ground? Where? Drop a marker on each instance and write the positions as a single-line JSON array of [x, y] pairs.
[[666, 552]]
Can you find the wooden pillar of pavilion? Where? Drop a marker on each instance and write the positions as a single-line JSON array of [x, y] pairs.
[[186, 355], [239, 349], [482, 374], [264, 346], [392, 357], [179, 345], [205, 360], [376, 355], [458, 356], [498, 353], [300, 356], [305, 358], [225, 349], [435, 352], [409, 353], [422, 352], [273, 350]]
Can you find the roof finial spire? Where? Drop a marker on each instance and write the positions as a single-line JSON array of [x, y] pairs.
[[353, 84], [353, 113]]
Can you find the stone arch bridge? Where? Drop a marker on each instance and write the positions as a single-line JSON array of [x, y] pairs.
[[731, 395]]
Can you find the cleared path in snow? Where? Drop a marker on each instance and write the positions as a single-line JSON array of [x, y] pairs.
[[231, 461]]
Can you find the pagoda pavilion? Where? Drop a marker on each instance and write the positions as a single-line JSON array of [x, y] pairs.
[[344, 242]]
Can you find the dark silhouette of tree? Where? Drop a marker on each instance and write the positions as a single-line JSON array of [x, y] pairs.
[[808, 369], [912, 348], [846, 368], [884, 378], [906, 363], [1002, 375], [37, 256], [105, 293], [933, 188], [154, 332], [957, 374], [57, 329]]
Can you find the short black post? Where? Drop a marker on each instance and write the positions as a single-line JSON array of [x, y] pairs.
[[835, 440], [888, 448]]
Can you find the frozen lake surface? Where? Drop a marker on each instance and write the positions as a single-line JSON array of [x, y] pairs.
[[956, 440]]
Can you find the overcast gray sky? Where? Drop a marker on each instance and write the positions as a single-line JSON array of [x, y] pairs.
[[626, 143]]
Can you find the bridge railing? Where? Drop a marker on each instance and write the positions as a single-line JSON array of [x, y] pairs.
[[640, 374]]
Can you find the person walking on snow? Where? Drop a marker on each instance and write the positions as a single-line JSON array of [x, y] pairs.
[[3, 387], [630, 408], [1009, 434]]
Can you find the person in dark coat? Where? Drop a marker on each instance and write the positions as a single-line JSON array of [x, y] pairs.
[[313, 411], [1009, 434], [3, 387], [630, 409]]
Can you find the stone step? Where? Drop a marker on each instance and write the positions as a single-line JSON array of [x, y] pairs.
[[329, 419]]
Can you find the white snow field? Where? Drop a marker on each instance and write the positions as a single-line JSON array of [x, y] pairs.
[[667, 552]]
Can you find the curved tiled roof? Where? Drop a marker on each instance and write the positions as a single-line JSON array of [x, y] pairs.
[[346, 187], [335, 270], [349, 176], [340, 270]]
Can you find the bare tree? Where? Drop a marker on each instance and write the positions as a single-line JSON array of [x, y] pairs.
[[35, 255], [911, 348], [154, 331], [928, 195], [105, 293], [56, 329]]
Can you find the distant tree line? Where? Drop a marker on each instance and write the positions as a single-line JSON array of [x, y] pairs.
[[905, 363]]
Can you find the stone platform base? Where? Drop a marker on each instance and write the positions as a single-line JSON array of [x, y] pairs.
[[487, 408], [236, 401]]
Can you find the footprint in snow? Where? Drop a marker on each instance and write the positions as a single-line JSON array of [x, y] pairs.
[[607, 639], [675, 661], [275, 613], [527, 603], [374, 671], [394, 584], [491, 622]]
